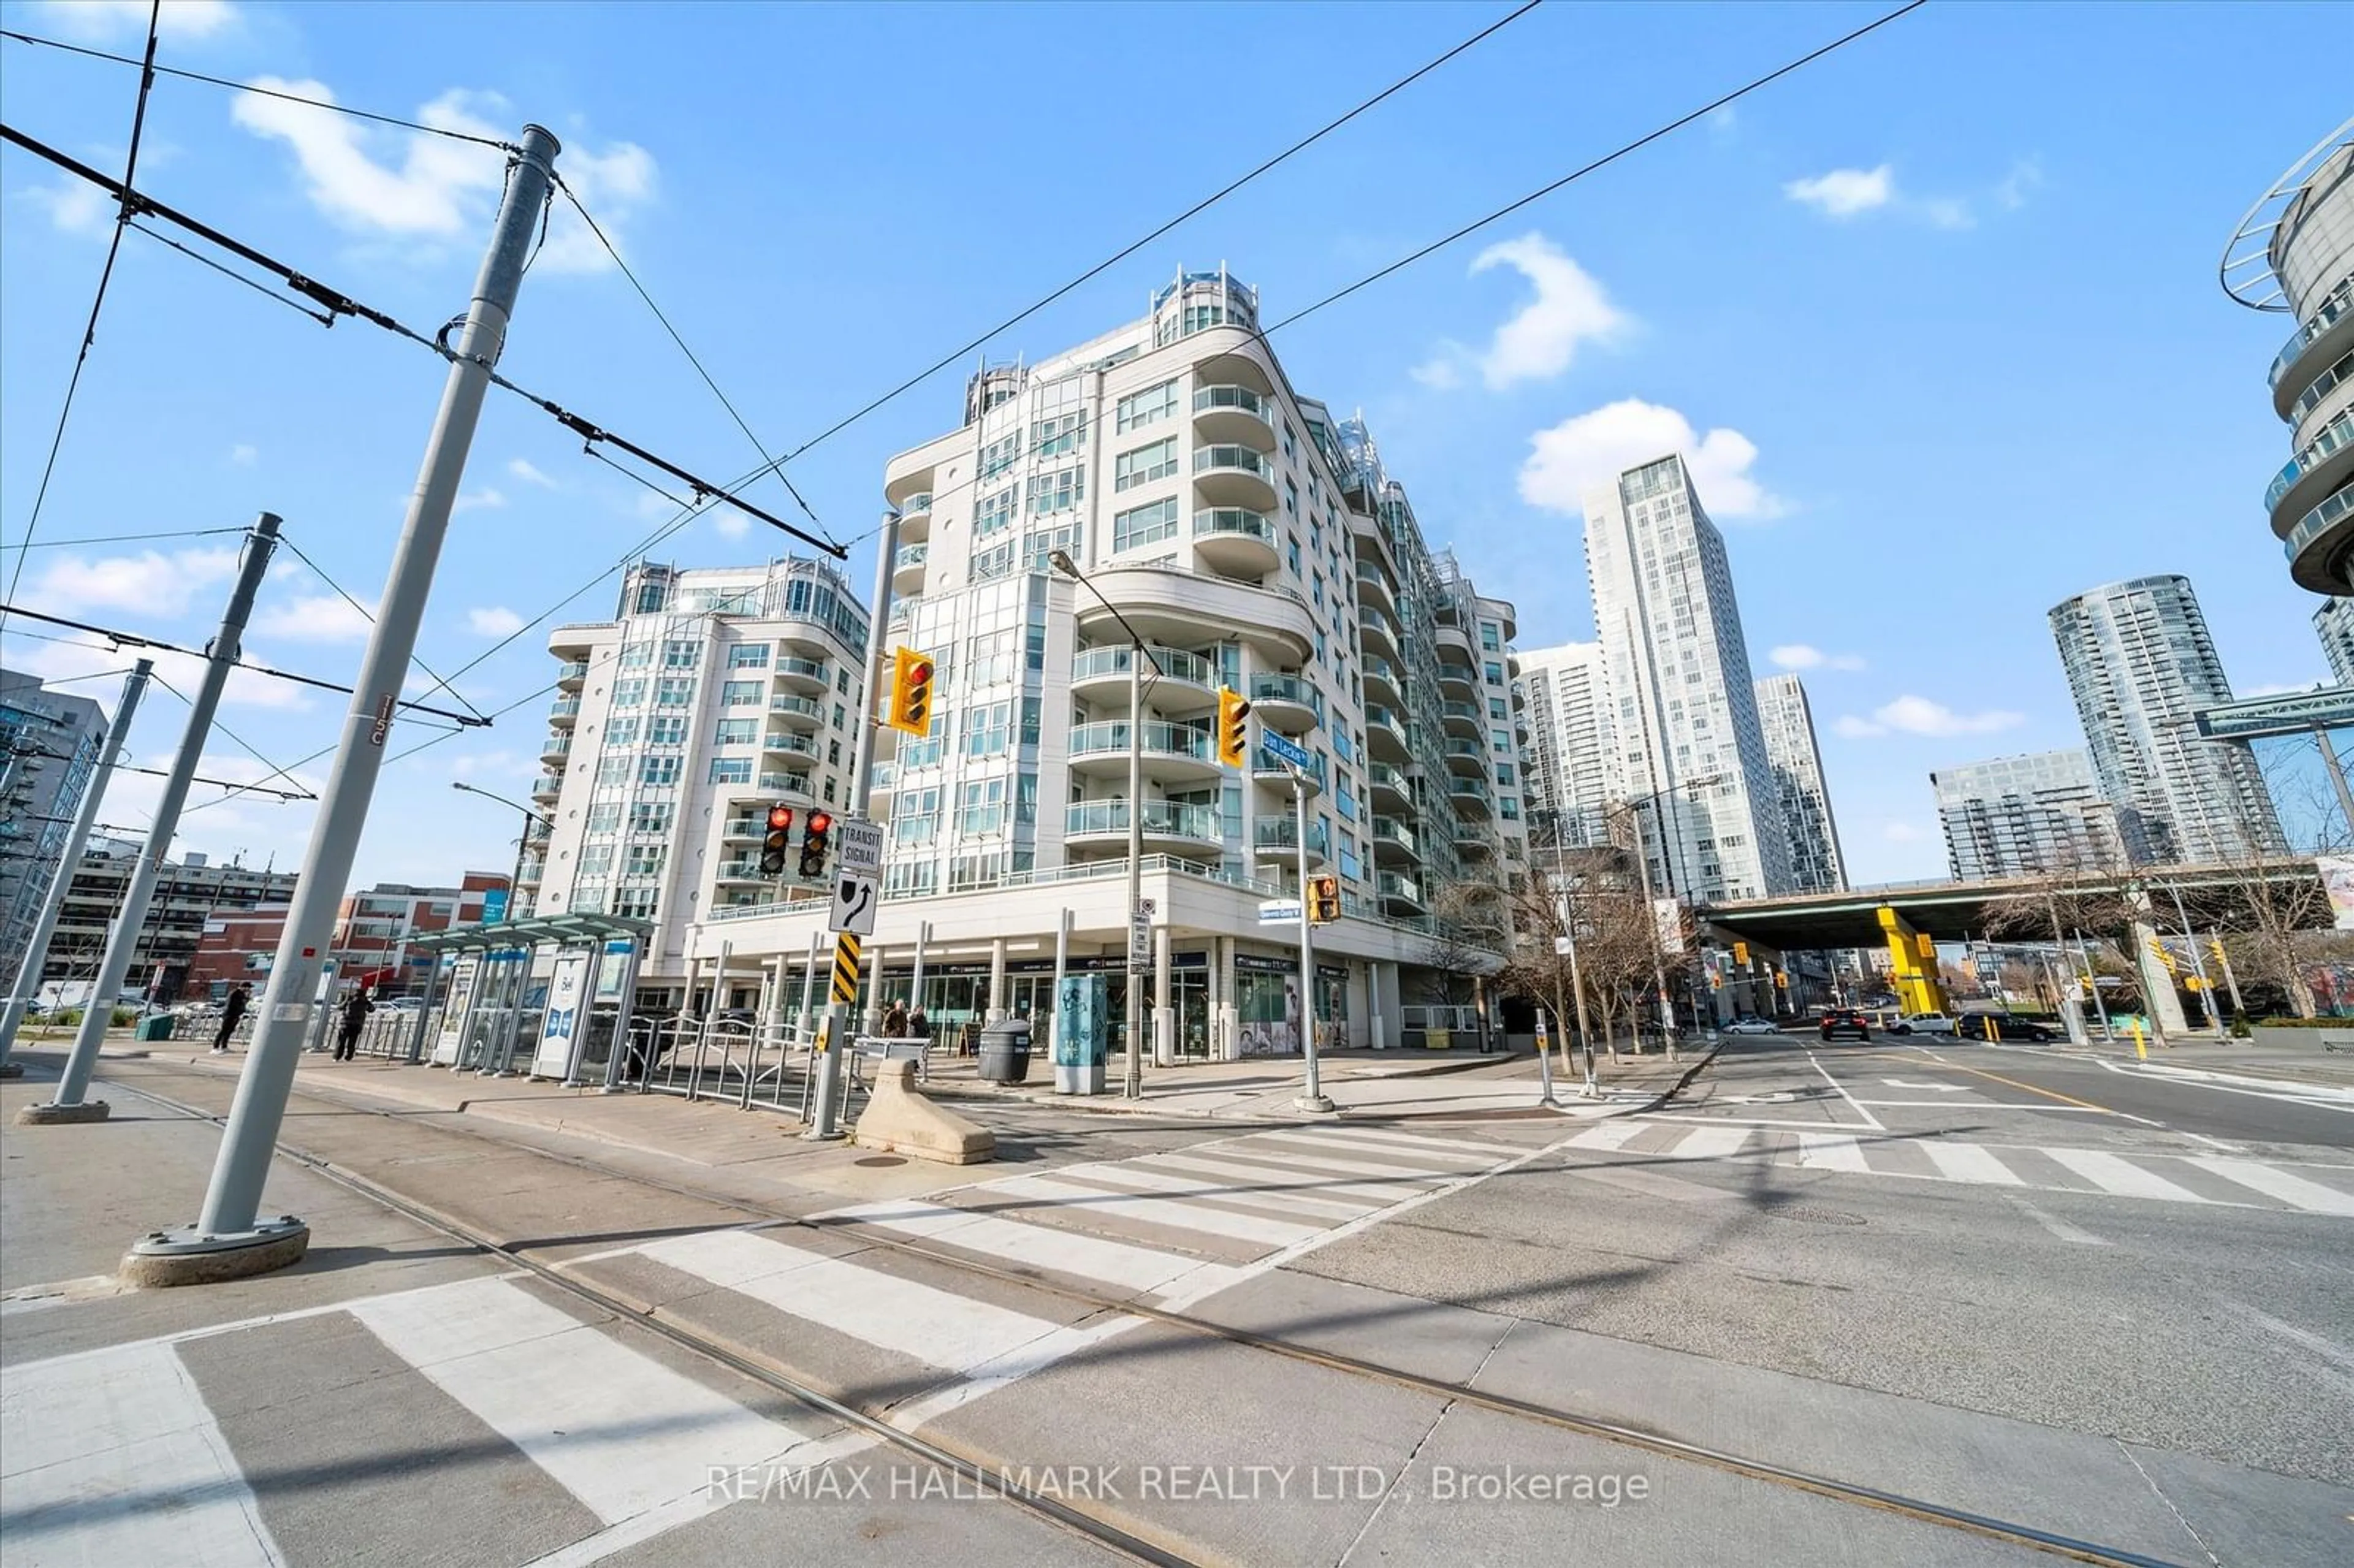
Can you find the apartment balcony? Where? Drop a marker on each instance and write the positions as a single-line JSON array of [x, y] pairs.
[[1235, 476], [881, 777], [1179, 607], [564, 712], [572, 676], [1454, 641], [744, 829], [915, 517], [1277, 840], [1168, 827], [740, 871], [1395, 843], [1382, 682], [1386, 733], [908, 568], [555, 749], [1467, 756], [787, 741], [2325, 467], [2327, 333], [1268, 769], [802, 713], [546, 787], [1402, 894], [808, 677], [1375, 588], [1472, 796], [1185, 683], [1171, 753], [1390, 787], [1458, 681], [1287, 702], [1235, 540], [814, 641], [2318, 548], [1378, 633], [1474, 842], [1464, 718], [1234, 414], [777, 783]]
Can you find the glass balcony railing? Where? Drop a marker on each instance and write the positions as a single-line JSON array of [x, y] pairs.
[[914, 505], [1266, 764], [811, 669], [2333, 304], [1381, 669], [880, 775], [1242, 397], [1169, 819], [1386, 718], [1283, 834], [1292, 689], [786, 740], [1175, 663], [1160, 739], [2327, 515], [808, 707], [564, 707], [2325, 383], [2338, 433], [573, 673], [1392, 885], [794, 783], [1457, 710], [1235, 520], [911, 555], [548, 784], [1234, 459], [1375, 620], [1390, 830], [1458, 746], [1386, 777]]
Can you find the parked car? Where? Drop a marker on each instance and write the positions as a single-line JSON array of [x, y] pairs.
[[1923, 1023], [1848, 1021], [1751, 1027], [2003, 1026]]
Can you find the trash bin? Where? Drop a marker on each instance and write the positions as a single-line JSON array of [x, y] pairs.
[[1005, 1052], [156, 1027]]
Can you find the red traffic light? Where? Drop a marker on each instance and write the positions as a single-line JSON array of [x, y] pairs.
[[781, 819], [820, 823]]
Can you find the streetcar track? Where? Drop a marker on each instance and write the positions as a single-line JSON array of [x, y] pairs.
[[992, 1475]]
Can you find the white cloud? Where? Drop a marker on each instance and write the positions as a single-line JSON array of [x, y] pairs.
[[494, 620], [1843, 193], [73, 206], [68, 661], [529, 472], [376, 181], [730, 524], [1725, 122], [1540, 338], [1802, 656], [486, 500], [2015, 187], [314, 618], [1947, 212], [1595, 448], [109, 19], [1910, 714], [149, 583], [1900, 833], [243, 455]]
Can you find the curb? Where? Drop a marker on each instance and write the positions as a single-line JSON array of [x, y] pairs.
[[1678, 1086], [2199, 1075]]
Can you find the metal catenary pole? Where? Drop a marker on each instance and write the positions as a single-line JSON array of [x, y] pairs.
[[1133, 1089], [219, 659], [1311, 1091], [827, 1065], [45, 926], [2207, 1004], [233, 1197]]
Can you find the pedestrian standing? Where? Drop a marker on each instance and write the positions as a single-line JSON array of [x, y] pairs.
[[895, 1021], [918, 1026], [232, 1013], [355, 1014]]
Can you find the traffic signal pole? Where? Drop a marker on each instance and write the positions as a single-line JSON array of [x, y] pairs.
[[1312, 1090]]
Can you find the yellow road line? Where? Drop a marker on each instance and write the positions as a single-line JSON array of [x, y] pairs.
[[1998, 1078]]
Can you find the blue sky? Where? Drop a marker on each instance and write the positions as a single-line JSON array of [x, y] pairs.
[[1938, 316]]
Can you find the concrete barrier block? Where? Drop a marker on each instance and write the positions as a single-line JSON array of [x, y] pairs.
[[900, 1121], [61, 1115]]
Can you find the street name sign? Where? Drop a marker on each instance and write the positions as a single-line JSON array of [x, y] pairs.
[[1278, 912], [1285, 749]]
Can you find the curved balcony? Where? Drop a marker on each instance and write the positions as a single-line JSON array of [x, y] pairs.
[[1277, 839], [1171, 605], [546, 787], [1238, 476], [564, 711], [787, 741], [2326, 333], [1378, 632], [813, 638], [1390, 787], [1235, 540], [1473, 841], [2321, 469], [785, 784], [1385, 732], [1464, 717], [916, 517], [571, 677], [1458, 681], [555, 749], [1452, 641], [1234, 414], [1399, 890], [802, 712], [1268, 769], [1169, 751], [2320, 546], [1289, 703], [881, 778], [1168, 827], [1395, 843], [741, 871], [1382, 680], [1467, 756], [1374, 586], [908, 568], [1184, 684], [2328, 381], [804, 675], [1472, 795]]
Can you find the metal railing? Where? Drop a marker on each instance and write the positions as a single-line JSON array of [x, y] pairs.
[[1177, 818]]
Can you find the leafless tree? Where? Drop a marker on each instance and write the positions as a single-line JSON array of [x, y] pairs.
[[1469, 930]]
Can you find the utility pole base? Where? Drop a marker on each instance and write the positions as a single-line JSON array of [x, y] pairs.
[[832, 1135], [62, 1115], [1319, 1102], [185, 1255]]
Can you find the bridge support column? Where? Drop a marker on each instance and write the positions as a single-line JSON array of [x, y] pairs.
[[1912, 964], [2160, 1000]]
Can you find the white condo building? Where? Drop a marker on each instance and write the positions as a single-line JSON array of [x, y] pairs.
[[1253, 541], [1568, 697], [2334, 624], [1783, 711], [2024, 816], [1690, 754]]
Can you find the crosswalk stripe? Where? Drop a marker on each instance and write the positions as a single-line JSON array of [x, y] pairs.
[[1710, 1143], [1968, 1162], [2273, 1182], [1407, 1142], [1078, 1202], [1033, 1246], [1283, 1149], [1610, 1135], [936, 1326], [1831, 1151], [2122, 1177], [1352, 1197], [617, 1429], [128, 1452], [1232, 1186]]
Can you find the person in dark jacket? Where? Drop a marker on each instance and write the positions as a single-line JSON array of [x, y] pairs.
[[355, 1014], [232, 1013]]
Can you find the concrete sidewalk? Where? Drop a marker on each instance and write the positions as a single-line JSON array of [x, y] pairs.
[[2264, 1065]]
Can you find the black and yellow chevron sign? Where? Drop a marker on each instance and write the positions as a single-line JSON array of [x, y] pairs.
[[846, 968]]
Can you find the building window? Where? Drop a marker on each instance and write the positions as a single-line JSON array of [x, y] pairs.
[[596, 860], [916, 817], [731, 770], [637, 655], [740, 694], [637, 903], [645, 859], [622, 732], [651, 817], [988, 729], [1503, 773], [1144, 465], [605, 817], [678, 655], [748, 656], [998, 455], [981, 808], [666, 730], [1495, 673], [629, 694], [1063, 433], [737, 732], [674, 692], [613, 769], [658, 771], [995, 562], [1144, 524], [1490, 638], [1059, 491], [994, 513], [1148, 407]]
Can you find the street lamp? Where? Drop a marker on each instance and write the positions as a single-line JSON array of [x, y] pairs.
[[514, 882], [1137, 656]]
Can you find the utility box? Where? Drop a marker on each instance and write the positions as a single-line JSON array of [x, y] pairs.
[[157, 1026]]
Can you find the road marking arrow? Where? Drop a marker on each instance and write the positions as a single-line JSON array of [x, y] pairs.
[[1941, 1088]]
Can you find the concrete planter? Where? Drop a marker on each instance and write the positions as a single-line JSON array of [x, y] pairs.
[[2308, 1039]]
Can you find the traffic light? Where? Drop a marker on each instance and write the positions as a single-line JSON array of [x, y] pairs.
[[2158, 950], [1741, 955], [910, 708], [1781, 980], [1234, 726], [1323, 900], [817, 836], [2215, 946], [776, 841]]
